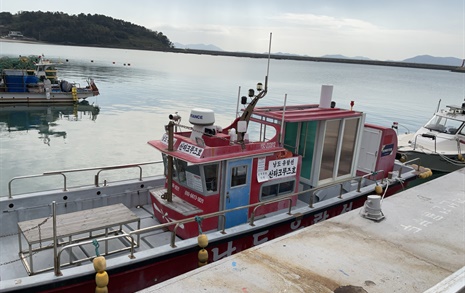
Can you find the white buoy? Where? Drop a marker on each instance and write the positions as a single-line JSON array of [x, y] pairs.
[[372, 208]]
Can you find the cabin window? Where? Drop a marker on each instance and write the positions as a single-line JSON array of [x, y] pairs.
[[239, 176], [329, 149], [189, 175], [165, 163], [211, 177], [442, 124], [277, 189], [348, 146], [338, 150]]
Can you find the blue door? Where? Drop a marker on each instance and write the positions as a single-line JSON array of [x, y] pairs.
[[237, 191]]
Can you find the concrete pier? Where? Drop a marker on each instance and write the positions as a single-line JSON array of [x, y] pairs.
[[418, 247]]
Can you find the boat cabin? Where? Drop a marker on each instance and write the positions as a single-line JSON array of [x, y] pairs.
[[278, 151]]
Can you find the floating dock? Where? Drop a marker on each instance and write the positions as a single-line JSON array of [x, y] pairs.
[[418, 247]]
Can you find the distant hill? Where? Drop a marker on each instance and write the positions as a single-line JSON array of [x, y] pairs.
[[209, 47], [422, 59], [82, 30], [345, 57], [427, 59]]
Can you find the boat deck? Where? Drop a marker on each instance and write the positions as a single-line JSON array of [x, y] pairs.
[[13, 268], [418, 247]]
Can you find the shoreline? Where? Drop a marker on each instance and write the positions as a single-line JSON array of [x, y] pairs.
[[451, 68]]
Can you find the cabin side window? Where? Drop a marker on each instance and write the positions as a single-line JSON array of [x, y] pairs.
[[211, 177], [196, 177], [165, 164], [275, 189], [442, 124]]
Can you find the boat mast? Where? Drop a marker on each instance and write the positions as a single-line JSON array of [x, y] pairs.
[[262, 92]]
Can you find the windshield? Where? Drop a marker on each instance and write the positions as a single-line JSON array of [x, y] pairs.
[[444, 125]]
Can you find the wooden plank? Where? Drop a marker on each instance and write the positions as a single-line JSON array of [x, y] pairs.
[[77, 223]]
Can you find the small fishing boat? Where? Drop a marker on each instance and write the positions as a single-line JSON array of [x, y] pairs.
[[273, 170], [40, 84], [438, 144]]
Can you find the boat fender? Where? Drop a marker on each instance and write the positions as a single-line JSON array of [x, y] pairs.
[[378, 189], [101, 279], [460, 157], [202, 239], [100, 264], [203, 257]]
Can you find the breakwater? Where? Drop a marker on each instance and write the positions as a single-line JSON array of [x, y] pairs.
[[322, 59]]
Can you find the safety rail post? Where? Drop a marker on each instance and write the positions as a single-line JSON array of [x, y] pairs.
[[413, 160], [252, 216], [96, 180], [367, 175]]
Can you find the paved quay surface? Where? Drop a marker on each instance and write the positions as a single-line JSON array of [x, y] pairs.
[[418, 247]]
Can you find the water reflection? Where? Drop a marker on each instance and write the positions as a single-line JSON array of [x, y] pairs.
[[43, 118]]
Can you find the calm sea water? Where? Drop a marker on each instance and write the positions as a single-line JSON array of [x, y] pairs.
[[139, 89]]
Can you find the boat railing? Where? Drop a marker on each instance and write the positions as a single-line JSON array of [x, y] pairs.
[[96, 177], [57, 264], [222, 214], [413, 160], [255, 206], [427, 135]]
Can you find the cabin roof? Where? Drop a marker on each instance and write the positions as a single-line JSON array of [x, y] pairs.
[[302, 113]]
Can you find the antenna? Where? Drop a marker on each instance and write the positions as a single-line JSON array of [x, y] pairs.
[[268, 67]]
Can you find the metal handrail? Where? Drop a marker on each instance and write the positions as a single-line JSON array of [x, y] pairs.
[[255, 205], [63, 172], [223, 213], [432, 136], [33, 176], [57, 264]]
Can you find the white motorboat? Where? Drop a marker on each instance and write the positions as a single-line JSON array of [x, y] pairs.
[[438, 144]]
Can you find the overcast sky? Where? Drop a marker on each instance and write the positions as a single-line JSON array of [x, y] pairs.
[[384, 30]]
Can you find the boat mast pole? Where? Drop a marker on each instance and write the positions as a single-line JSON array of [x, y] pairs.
[[248, 111], [169, 175]]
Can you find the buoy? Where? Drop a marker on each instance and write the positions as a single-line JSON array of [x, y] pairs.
[[101, 289], [202, 239], [203, 255], [378, 189], [100, 264], [101, 279]]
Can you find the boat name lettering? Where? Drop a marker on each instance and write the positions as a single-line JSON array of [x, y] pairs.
[[346, 208], [320, 217], [190, 149], [165, 138], [193, 196], [228, 252], [257, 241], [268, 145], [282, 168]]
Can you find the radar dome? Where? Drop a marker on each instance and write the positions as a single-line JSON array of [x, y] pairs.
[[201, 116]]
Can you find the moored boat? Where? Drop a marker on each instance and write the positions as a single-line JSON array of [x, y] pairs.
[[272, 171], [439, 143], [37, 82]]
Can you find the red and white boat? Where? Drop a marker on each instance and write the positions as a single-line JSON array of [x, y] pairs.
[[272, 171]]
